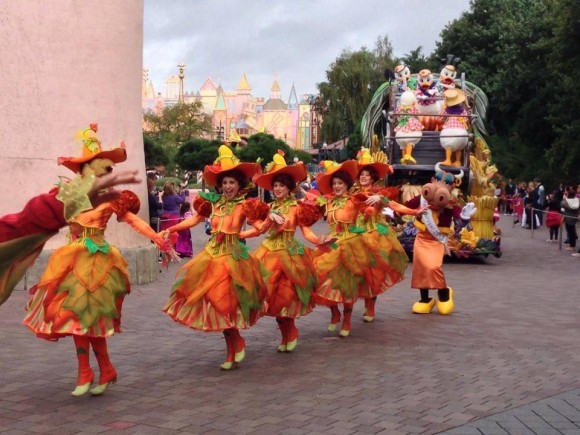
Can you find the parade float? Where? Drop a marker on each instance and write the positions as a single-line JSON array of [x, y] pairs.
[[426, 119]]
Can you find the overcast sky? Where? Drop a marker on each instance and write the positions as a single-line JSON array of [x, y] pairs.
[[293, 40]]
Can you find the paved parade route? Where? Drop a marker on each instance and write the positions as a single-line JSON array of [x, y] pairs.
[[506, 362]]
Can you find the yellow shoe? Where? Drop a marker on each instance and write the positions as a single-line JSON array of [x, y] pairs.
[[228, 365], [447, 306], [292, 345], [332, 327], [411, 159], [344, 332], [424, 307], [101, 388], [81, 390], [282, 347]]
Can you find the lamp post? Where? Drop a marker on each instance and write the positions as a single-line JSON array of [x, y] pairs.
[[181, 77], [220, 131]]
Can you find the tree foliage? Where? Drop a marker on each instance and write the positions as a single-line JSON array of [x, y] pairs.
[[155, 155], [350, 82], [524, 55], [177, 124], [194, 154], [263, 146]]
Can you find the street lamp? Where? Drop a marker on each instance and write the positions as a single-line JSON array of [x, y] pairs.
[[220, 131]]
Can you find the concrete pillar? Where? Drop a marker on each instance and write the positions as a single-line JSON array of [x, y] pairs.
[[68, 63]]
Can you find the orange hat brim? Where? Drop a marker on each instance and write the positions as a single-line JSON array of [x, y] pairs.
[[212, 172], [324, 180], [297, 171], [116, 155], [382, 168]]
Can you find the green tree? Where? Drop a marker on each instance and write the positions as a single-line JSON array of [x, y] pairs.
[[177, 124], [194, 154], [564, 93], [350, 82], [263, 146], [416, 60], [155, 154], [501, 50], [302, 156]]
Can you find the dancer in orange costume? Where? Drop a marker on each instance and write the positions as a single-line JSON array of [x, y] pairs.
[[23, 234], [341, 272], [81, 291], [221, 288], [292, 281], [390, 269]]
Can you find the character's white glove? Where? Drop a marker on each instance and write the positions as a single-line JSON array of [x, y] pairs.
[[468, 211]]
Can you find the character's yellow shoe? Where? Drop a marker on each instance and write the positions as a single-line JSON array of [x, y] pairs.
[[424, 307], [447, 306], [282, 347], [411, 160]]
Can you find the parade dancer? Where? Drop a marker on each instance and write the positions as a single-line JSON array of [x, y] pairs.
[[292, 279], [221, 288], [378, 234], [341, 272], [23, 234], [82, 289]]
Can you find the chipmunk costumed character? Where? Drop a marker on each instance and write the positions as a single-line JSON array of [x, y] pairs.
[[292, 279], [392, 260], [221, 289], [431, 241], [82, 289]]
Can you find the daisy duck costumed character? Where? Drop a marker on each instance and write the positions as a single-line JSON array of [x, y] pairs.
[[455, 120], [431, 241], [222, 288], [378, 234], [82, 289], [292, 280], [408, 131]]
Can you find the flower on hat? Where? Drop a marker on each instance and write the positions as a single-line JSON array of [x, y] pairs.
[[227, 161], [277, 166], [91, 150]]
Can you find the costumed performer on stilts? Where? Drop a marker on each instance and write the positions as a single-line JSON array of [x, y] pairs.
[[222, 287], [379, 237], [82, 289], [293, 279], [431, 242]]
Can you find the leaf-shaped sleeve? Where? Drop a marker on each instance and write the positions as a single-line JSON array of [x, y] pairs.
[[255, 210], [307, 214], [202, 206], [358, 199], [127, 202], [391, 193]]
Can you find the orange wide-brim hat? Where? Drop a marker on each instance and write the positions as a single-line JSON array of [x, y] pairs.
[[324, 180], [296, 171], [227, 162], [116, 155], [92, 150]]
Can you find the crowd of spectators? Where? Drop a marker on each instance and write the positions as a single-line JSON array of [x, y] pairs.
[[532, 207]]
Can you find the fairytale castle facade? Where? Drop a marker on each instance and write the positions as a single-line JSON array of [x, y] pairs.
[[293, 121]]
